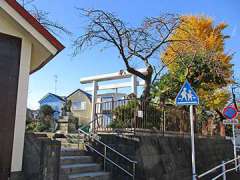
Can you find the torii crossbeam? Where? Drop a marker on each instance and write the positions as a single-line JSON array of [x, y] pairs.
[[109, 77]]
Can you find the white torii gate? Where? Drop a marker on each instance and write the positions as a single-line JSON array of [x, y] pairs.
[[109, 77]]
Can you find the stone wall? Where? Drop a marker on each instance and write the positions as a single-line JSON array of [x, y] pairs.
[[41, 158], [167, 157]]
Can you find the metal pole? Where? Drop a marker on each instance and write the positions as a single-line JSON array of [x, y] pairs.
[[164, 122], [192, 143], [238, 169], [234, 144], [223, 170], [105, 156], [134, 171], [78, 140]]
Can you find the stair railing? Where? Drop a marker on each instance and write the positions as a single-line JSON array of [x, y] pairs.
[[223, 168], [104, 155]]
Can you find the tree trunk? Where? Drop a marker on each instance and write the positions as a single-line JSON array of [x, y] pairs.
[[146, 91], [220, 114], [148, 82]]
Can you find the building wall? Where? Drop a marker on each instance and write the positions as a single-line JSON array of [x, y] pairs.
[[39, 53], [55, 103], [84, 116], [8, 28], [109, 97]]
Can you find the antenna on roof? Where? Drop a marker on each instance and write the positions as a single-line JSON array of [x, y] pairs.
[[55, 80]]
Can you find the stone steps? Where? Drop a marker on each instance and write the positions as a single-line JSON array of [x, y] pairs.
[[91, 176], [80, 168], [73, 146], [76, 159], [71, 141], [77, 165], [72, 152]]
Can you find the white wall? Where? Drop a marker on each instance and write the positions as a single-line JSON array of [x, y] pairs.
[[20, 119], [8, 27], [35, 50]]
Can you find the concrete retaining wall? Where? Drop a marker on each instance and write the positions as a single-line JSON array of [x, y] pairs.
[[167, 157], [41, 159]]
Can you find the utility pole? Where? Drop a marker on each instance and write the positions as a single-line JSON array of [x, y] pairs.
[[55, 83]]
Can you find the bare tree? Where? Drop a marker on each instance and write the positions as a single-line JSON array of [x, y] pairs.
[[141, 43], [25, 2], [43, 18]]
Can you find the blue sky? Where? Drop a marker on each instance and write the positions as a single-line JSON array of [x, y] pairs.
[[94, 61]]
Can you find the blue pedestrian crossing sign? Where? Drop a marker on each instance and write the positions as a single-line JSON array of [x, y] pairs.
[[186, 95]]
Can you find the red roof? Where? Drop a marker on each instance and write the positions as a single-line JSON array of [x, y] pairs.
[[31, 20]]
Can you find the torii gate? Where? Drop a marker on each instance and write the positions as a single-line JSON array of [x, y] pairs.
[[109, 77]]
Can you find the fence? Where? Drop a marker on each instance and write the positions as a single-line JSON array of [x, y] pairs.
[[221, 169], [129, 115]]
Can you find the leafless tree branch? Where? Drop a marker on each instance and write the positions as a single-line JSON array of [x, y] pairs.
[[43, 18], [140, 43]]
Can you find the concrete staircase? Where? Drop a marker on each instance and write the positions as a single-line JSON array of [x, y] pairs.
[[77, 165], [72, 141]]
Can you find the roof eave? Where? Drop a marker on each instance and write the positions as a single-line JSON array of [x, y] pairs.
[[38, 26], [40, 29]]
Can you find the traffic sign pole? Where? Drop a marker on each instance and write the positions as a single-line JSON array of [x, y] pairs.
[[234, 144], [188, 97], [193, 144], [230, 113]]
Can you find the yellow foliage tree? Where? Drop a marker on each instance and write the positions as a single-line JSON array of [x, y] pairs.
[[197, 53]]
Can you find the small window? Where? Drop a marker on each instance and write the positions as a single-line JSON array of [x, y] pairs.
[[83, 105], [79, 105]]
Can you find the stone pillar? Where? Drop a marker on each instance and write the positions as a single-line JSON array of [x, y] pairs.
[[134, 84], [94, 97]]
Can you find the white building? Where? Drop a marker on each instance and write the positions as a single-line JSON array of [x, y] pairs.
[[25, 47]]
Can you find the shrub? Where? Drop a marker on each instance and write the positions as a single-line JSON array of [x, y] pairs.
[[125, 115], [46, 110], [38, 126]]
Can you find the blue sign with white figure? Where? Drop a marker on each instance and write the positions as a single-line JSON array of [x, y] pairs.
[[186, 95]]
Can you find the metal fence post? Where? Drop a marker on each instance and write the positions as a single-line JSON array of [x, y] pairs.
[[164, 122], [105, 156], [134, 171], [78, 140], [223, 170], [195, 177], [238, 169]]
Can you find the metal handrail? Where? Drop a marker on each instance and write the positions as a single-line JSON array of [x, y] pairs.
[[88, 124], [105, 155], [110, 161], [226, 171], [222, 165]]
